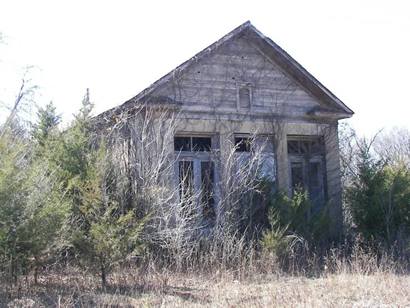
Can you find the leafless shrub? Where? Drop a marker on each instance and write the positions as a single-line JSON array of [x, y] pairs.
[[142, 143], [394, 146], [241, 176], [359, 259], [355, 274], [24, 100]]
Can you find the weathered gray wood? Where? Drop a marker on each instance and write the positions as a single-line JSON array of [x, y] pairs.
[[213, 82], [285, 100]]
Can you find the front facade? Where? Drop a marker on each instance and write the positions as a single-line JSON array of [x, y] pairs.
[[245, 86]]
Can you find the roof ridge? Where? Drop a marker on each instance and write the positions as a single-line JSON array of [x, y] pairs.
[[292, 66]]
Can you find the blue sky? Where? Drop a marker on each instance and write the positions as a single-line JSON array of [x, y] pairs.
[[358, 49]]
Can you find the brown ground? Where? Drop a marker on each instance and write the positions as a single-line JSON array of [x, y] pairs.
[[131, 289]]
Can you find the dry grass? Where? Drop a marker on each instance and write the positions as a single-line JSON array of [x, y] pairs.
[[334, 290], [130, 288]]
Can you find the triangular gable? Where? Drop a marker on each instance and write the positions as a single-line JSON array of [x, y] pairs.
[[268, 48]]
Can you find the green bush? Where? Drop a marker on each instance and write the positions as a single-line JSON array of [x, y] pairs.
[[31, 208], [291, 218], [107, 233], [100, 230], [378, 198]]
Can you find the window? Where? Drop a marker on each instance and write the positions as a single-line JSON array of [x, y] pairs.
[[316, 183], [297, 175], [242, 144], [306, 146], [207, 188], [186, 178], [196, 171], [182, 143], [193, 144], [313, 171], [244, 96], [307, 167], [245, 145], [202, 144]]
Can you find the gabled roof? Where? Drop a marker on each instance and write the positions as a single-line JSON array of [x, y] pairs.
[[271, 50]]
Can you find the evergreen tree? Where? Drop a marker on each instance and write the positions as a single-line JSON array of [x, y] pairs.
[[86, 109], [31, 208], [47, 121], [379, 197], [99, 232], [108, 235]]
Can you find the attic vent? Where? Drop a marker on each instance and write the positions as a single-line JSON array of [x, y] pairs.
[[244, 96]]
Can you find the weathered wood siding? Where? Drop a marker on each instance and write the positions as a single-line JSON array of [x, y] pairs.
[[212, 83]]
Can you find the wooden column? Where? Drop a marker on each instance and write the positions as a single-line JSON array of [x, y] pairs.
[[334, 188], [282, 163]]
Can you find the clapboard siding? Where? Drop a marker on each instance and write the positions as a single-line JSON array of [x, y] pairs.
[[212, 83]]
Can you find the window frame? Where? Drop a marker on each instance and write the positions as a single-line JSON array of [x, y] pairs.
[[307, 158], [268, 153], [241, 86], [197, 158]]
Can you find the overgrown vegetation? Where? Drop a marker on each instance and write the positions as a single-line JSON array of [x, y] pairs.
[[101, 199], [58, 202], [292, 224], [379, 198], [377, 189]]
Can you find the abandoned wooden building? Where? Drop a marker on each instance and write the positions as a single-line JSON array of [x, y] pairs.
[[245, 84]]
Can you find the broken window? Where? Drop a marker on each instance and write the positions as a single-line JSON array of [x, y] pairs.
[[307, 167], [196, 171]]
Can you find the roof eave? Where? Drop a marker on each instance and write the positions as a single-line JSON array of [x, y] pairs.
[[279, 55], [297, 71]]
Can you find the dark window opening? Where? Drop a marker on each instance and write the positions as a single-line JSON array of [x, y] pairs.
[[293, 147], [207, 194], [314, 181], [186, 179], [242, 144], [195, 174], [306, 147], [316, 191], [317, 147], [201, 144], [182, 144], [297, 176], [307, 168], [193, 144]]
